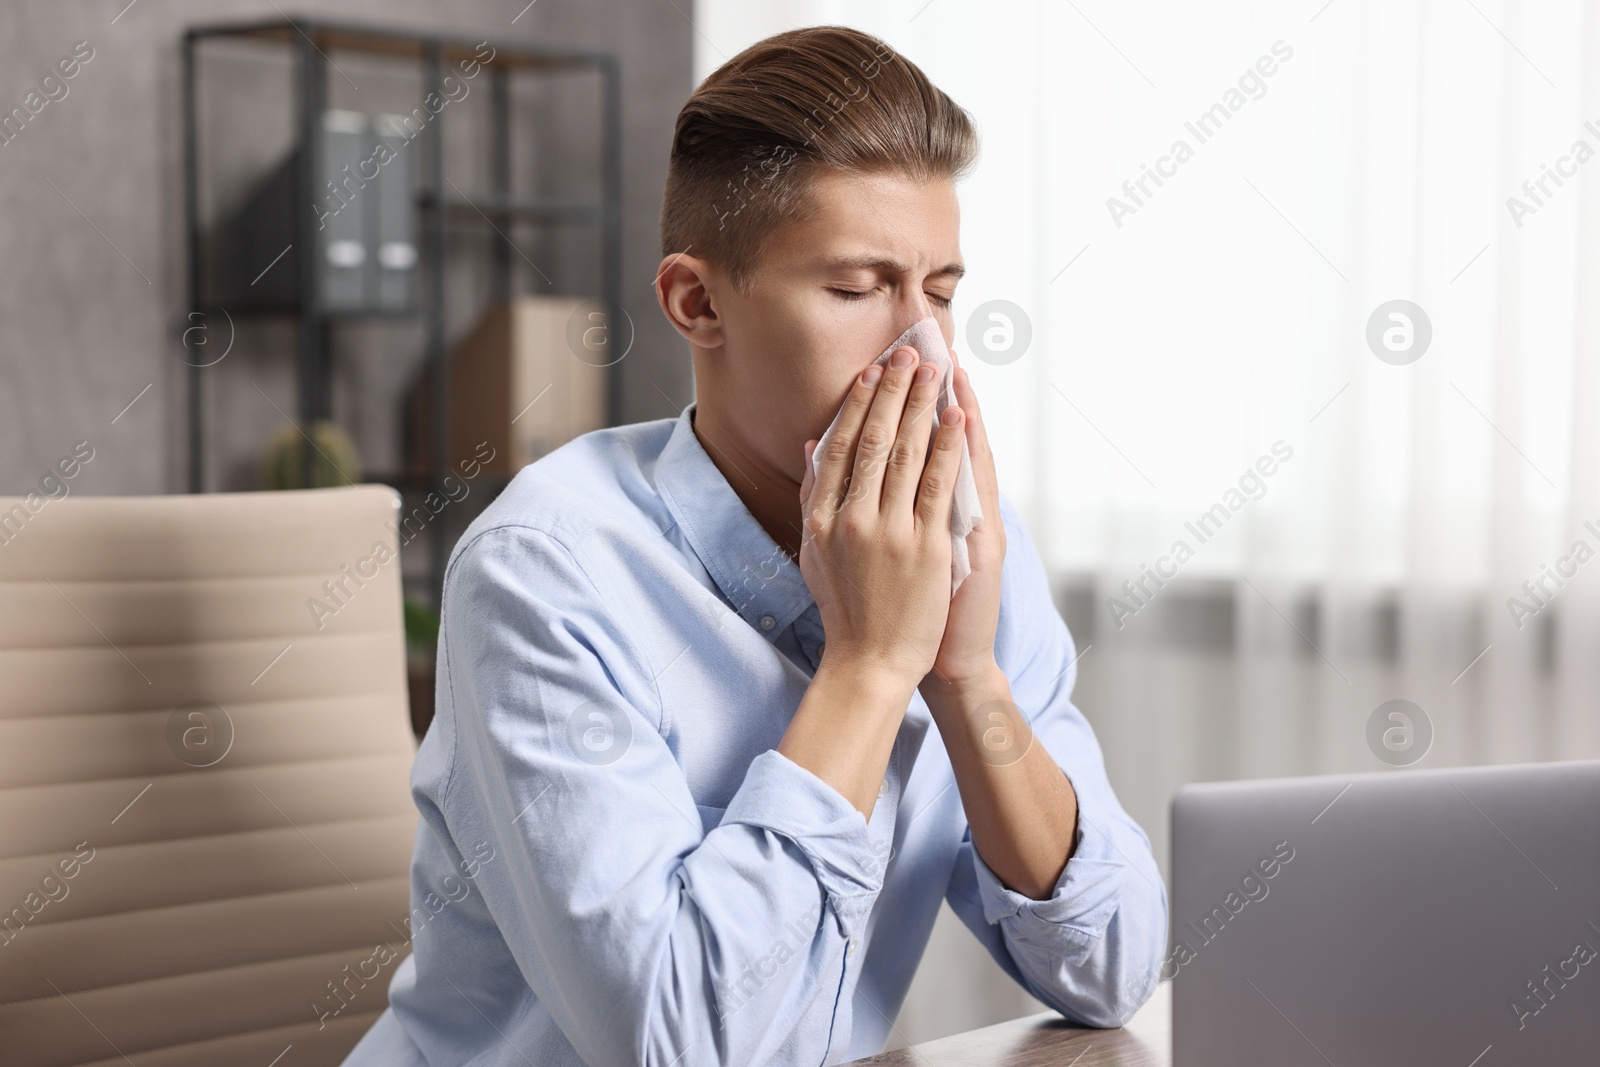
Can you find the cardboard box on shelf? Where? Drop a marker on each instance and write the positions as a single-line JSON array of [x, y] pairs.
[[521, 381]]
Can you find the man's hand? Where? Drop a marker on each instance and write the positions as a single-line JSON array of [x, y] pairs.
[[875, 553], [876, 547]]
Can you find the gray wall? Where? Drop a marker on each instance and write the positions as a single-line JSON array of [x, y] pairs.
[[84, 314]]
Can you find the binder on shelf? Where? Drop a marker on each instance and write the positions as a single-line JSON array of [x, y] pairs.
[[343, 262], [394, 217], [365, 209]]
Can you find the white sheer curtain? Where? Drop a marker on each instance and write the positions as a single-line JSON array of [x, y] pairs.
[[1336, 156]]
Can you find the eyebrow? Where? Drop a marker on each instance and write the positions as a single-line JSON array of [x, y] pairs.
[[870, 262]]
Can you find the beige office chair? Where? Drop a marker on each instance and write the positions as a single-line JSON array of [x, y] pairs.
[[205, 821]]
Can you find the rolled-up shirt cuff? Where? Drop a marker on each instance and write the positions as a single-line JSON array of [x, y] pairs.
[[1072, 919], [783, 797]]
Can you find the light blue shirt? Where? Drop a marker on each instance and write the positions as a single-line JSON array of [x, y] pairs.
[[614, 863]]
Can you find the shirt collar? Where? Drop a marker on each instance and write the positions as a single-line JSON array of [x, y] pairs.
[[754, 573]]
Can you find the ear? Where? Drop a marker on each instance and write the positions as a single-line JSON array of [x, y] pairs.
[[687, 289]]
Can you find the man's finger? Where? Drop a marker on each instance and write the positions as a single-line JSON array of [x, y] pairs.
[[908, 455], [833, 470], [880, 430], [939, 477]]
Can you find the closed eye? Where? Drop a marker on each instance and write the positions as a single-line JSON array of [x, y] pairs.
[[854, 294]]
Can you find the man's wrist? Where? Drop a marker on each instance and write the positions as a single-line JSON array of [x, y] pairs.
[[845, 727], [969, 690], [876, 684]]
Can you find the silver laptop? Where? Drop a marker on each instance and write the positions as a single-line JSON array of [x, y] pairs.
[[1411, 917]]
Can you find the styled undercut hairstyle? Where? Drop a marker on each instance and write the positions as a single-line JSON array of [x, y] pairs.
[[752, 136]]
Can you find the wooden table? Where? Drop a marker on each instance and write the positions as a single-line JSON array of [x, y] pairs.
[[1047, 1038]]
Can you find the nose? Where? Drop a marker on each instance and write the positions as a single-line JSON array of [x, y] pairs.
[[920, 306]]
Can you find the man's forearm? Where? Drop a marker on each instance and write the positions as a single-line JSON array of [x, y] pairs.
[[1022, 809], [845, 728]]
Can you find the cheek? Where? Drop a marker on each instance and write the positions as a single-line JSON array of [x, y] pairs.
[[807, 352], [836, 359], [804, 349]]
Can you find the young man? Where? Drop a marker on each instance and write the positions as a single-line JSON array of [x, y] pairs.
[[717, 723]]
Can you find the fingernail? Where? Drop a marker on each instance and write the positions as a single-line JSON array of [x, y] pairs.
[[903, 358], [924, 373], [871, 375], [951, 416]]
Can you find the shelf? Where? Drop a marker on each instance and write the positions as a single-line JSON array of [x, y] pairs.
[[443, 212], [407, 44], [495, 207]]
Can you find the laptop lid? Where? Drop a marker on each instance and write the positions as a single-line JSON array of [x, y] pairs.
[[1434, 916]]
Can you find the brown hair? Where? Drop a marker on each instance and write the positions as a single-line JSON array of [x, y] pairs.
[[750, 138]]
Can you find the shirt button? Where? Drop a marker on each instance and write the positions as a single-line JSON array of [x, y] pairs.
[[768, 622], [883, 788], [851, 950]]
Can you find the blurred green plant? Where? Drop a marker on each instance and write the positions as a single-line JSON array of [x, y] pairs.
[[422, 628], [334, 461]]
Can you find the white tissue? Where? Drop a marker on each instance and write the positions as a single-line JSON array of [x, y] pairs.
[[965, 511]]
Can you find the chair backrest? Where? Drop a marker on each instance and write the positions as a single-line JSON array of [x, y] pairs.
[[205, 818]]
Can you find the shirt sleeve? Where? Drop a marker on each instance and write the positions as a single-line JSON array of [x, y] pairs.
[[650, 939], [1093, 949]]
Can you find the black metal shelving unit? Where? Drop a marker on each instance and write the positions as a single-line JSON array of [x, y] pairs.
[[312, 41]]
